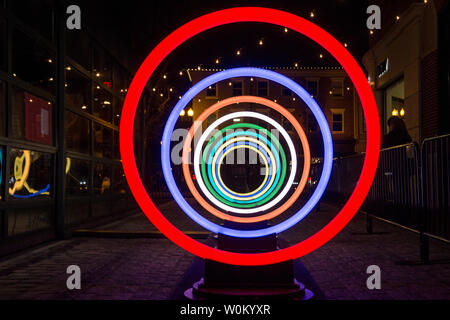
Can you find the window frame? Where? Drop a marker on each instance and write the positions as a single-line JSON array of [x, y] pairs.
[[340, 111]]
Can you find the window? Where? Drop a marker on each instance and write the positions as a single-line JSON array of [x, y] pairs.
[[32, 62], [337, 87], [118, 104], [2, 107], [30, 174], [102, 68], [31, 117], [78, 178], [28, 220], [1, 170], [102, 179], [102, 105], [119, 182], [312, 123], [78, 48], [121, 80], [285, 92], [313, 87], [263, 88], [337, 124], [102, 141], [77, 89], [238, 88], [77, 133], [116, 145], [211, 91]]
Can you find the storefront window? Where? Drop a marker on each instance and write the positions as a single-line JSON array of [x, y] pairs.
[[30, 174], [78, 131], [102, 142], [40, 18], [395, 101], [78, 48], [78, 177], [77, 89], [31, 117], [102, 68], [102, 106], [102, 179], [2, 45], [1, 170], [116, 145], [27, 220], [32, 62], [118, 104], [121, 80]]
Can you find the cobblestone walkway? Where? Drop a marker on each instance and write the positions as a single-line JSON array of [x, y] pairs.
[[146, 268]]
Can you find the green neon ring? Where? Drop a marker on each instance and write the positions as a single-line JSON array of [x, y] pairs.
[[267, 196]]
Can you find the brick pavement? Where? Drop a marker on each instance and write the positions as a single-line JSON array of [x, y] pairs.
[[152, 268]]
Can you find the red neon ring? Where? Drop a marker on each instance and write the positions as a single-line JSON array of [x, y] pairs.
[[283, 19], [268, 103]]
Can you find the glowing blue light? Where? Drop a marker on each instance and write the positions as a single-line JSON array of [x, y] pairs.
[[258, 73]]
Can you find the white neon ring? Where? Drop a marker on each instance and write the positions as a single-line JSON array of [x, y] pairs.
[[248, 114], [255, 141]]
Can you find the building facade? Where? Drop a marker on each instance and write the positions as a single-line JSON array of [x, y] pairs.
[[330, 87], [407, 66]]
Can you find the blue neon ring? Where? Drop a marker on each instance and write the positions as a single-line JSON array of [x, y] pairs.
[[217, 174], [258, 73], [277, 158]]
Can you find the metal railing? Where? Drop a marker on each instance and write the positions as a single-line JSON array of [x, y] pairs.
[[411, 188]]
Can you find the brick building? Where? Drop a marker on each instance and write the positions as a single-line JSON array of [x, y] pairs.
[[330, 86]]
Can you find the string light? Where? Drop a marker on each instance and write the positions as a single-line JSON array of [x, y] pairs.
[[261, 42], [198, 68], [397, 17], [345, 44], [402, 112], [217, 61], [285, 29], [320, 56], [296, 65], [371, 32], [154, 89], [97, 74], [164, 77], [182, 113], [238, 52], [170, 89], [181, 73], [190, 113], [311, 14]]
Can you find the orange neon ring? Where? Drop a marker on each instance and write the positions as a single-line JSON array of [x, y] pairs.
[[268, 103]]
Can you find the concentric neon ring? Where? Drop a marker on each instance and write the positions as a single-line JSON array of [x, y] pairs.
[[269, 169], [245, 114], [213, 173], [275, 17], [268, 103], [278, 181]]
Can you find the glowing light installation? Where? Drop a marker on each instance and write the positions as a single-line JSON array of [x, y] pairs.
[[235, 73], [294, 23]]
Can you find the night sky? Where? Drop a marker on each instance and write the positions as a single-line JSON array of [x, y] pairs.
[[142, 24]]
